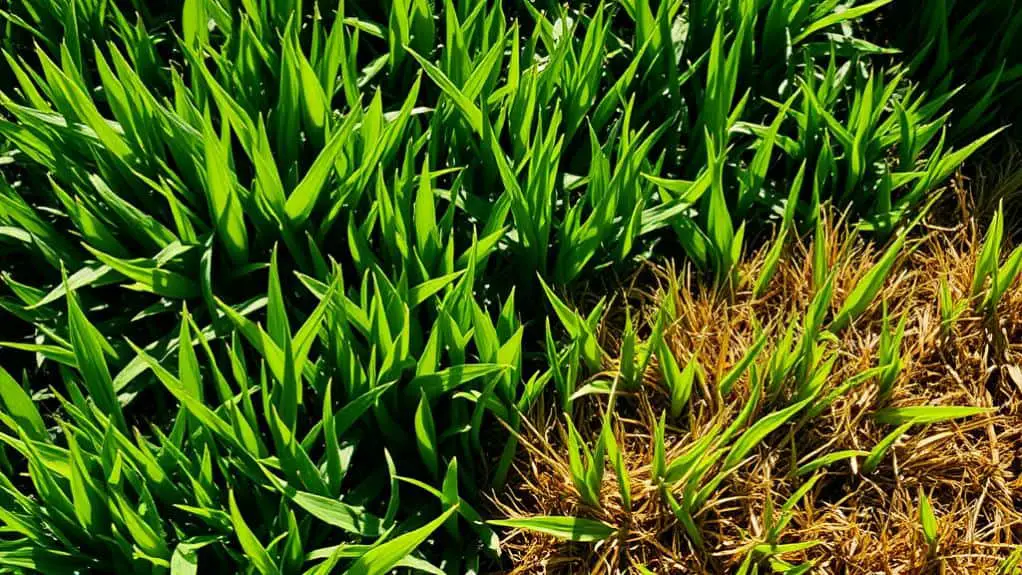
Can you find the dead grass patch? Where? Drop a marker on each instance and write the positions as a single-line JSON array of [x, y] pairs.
[[862, 523]]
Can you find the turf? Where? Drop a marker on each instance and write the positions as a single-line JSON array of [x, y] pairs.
[[290, 286]]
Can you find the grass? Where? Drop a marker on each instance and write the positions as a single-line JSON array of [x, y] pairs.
[[897, 458], [289, 282], [946, 33]]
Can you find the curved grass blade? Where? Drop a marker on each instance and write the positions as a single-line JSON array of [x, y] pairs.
[[567, 528]]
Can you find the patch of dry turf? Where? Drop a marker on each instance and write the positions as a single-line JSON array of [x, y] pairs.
[[863, 523]]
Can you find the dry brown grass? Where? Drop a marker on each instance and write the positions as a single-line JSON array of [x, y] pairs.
[[971, 468]]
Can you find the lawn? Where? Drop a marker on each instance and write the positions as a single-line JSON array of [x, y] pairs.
[[630, 286]]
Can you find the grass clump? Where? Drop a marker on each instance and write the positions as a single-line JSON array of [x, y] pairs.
[[964, 50]]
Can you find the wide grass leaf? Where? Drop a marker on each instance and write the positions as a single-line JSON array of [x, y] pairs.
[[254, 550], [759, 430], [382, 558], [468, 109], [883, 446], [849, 13], [88, 348], [451, 378], [927, 520], [567, 528], [352, 519], [928, 413], [302, 200], [224, 201], [826, 460], [19, 405], [867, 288]]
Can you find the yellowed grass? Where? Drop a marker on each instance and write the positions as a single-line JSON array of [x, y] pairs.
[[863, 523]]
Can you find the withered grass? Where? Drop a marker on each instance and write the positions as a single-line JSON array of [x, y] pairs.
[[864, 523]]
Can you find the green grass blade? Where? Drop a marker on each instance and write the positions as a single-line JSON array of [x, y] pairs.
[[928, 413], [382, 558], [574, 529]]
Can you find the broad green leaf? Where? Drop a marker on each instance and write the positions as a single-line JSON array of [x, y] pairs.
[[159, 281], [453, 377], [927, 520], [867, 288], [185, 560], [567, 528], [846, 14], [355, 520], [826, 460], [19, 405], [254, 550], [383, 557], [731, 377], [88, 349], [425, 437], [878, 452], [928, 413], [759, 430], [468, 109], [304, 197], [225, 207]]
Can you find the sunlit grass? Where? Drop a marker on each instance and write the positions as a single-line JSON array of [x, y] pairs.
[[284, 278]]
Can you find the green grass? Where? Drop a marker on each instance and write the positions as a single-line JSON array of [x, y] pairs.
[[967, 50], [279, 269]]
